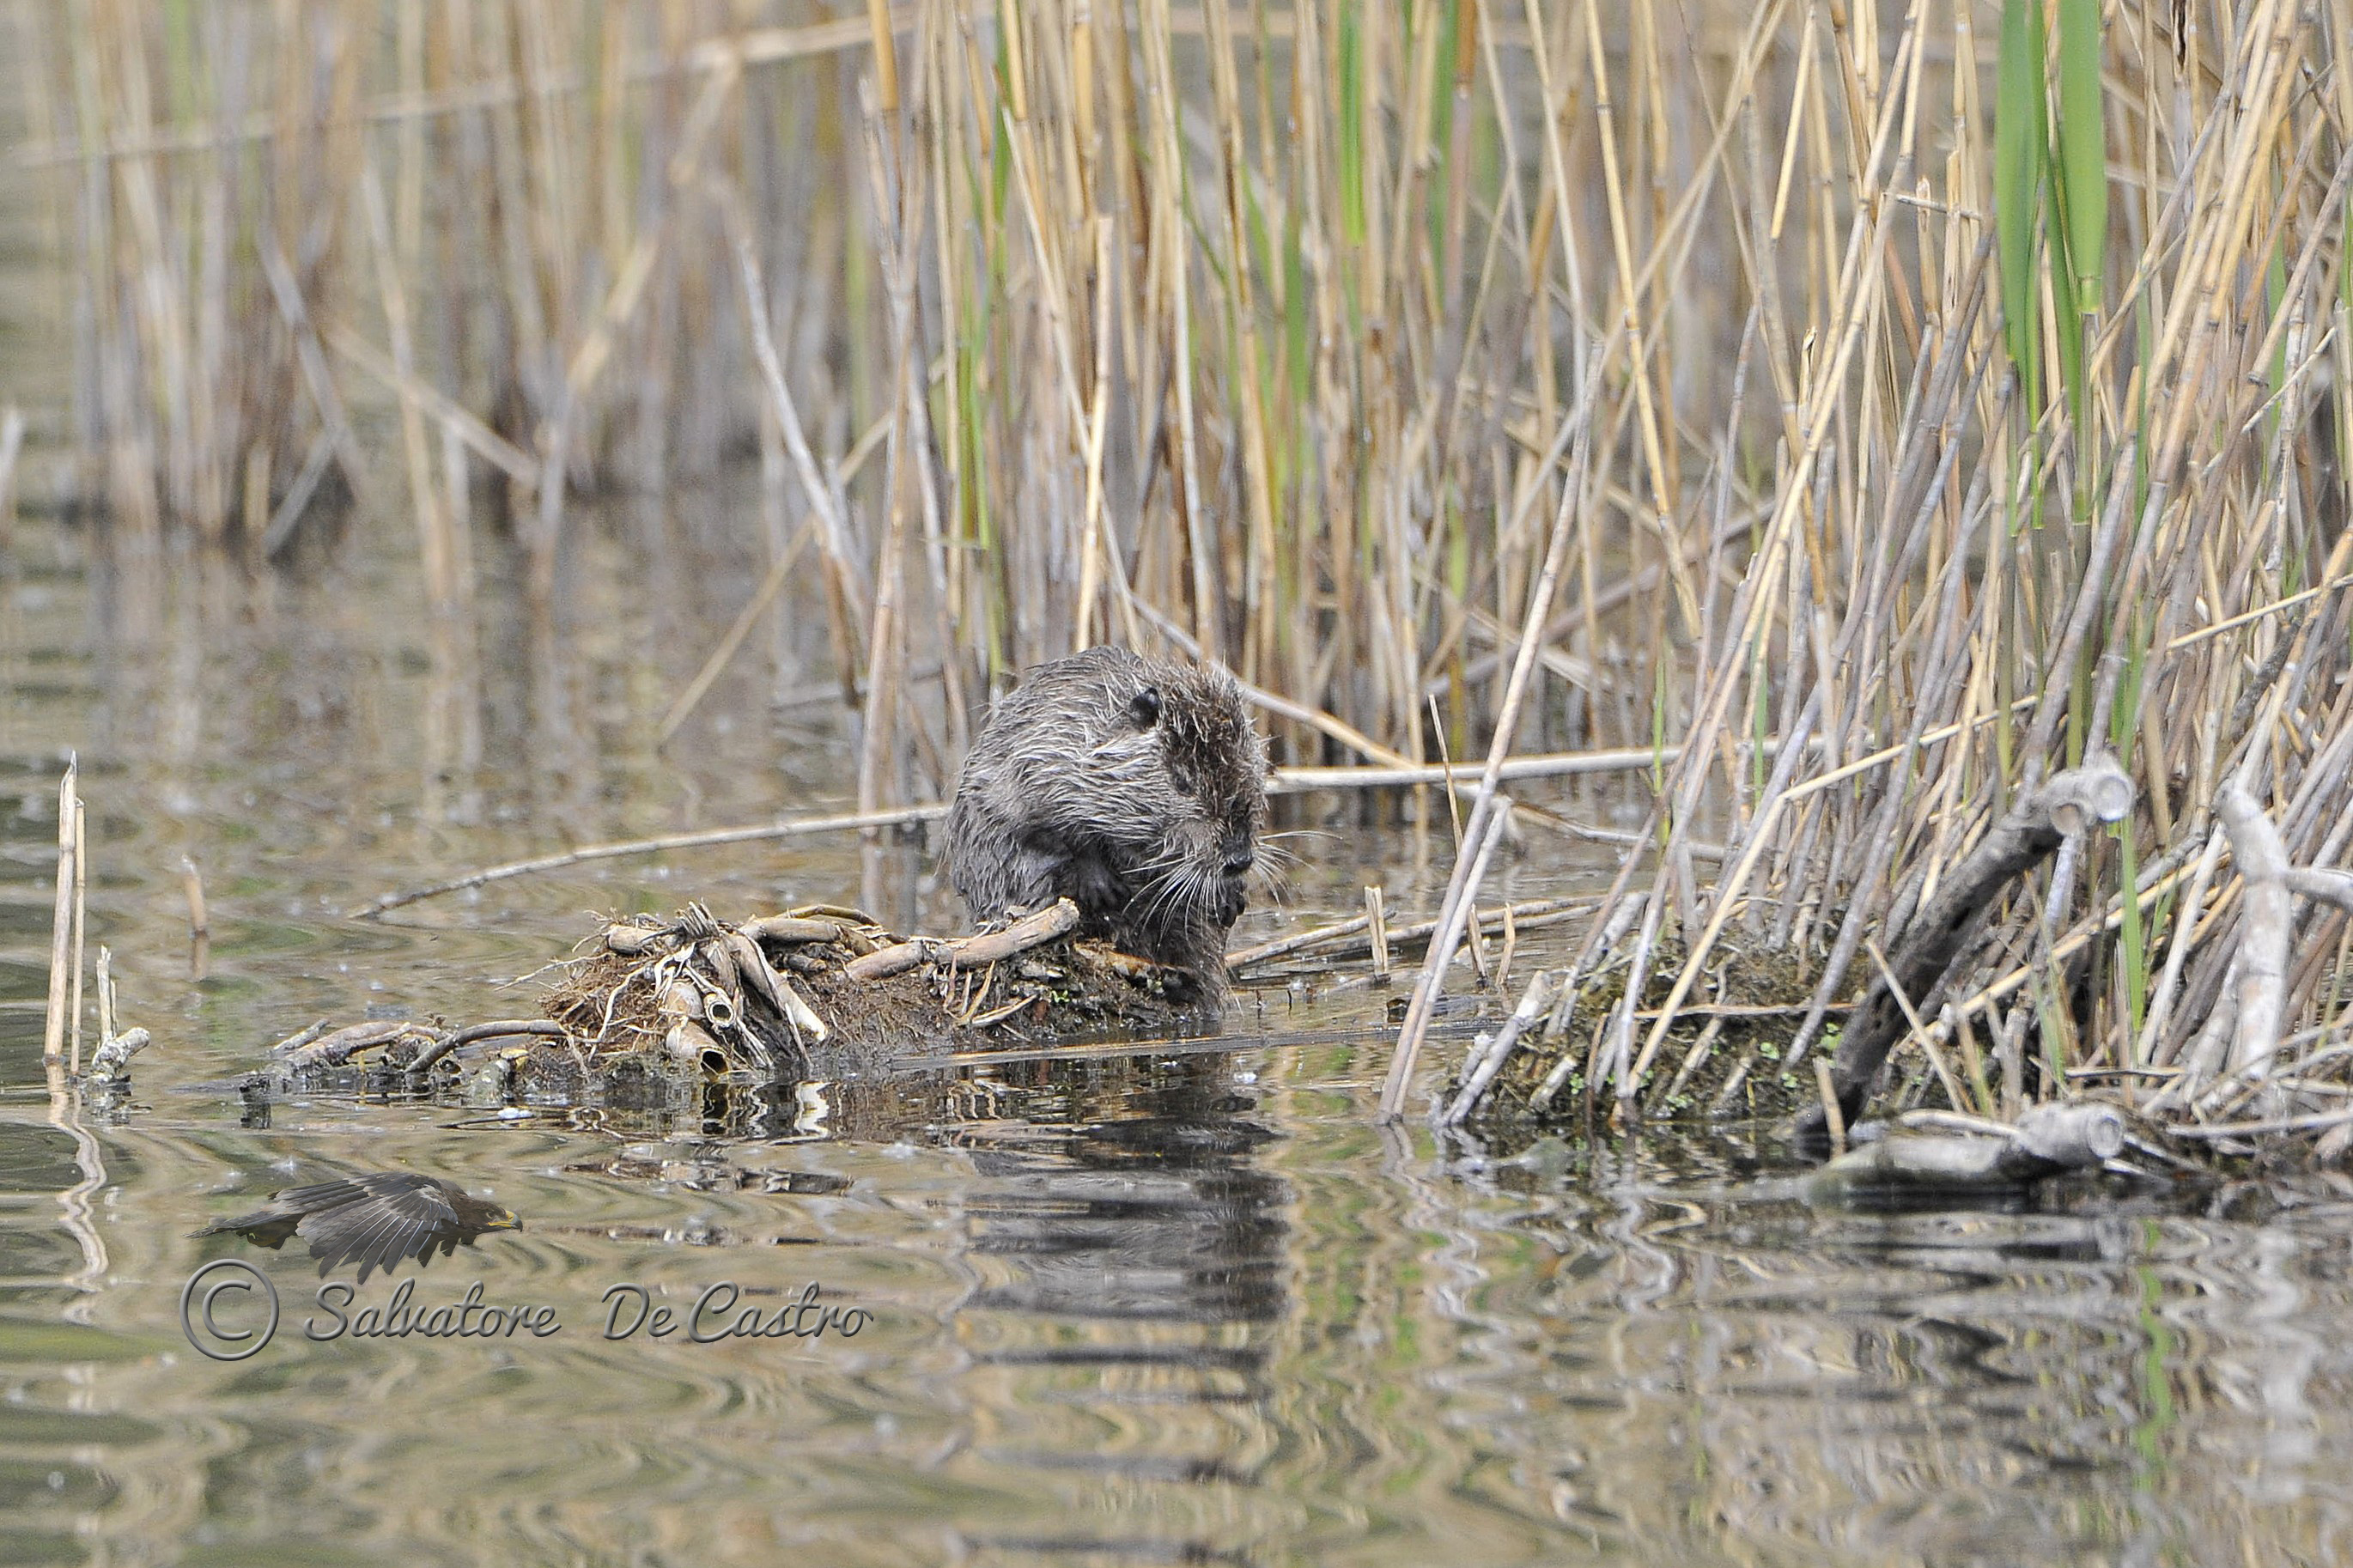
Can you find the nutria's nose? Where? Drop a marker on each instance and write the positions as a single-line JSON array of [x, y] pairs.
[[1241, 856]]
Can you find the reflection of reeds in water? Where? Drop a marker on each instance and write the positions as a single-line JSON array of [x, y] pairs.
[[1309, 335]]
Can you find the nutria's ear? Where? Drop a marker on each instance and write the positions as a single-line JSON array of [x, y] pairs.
[[1144, 708]]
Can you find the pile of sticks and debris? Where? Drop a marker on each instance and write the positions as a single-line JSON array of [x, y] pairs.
[[816, 992]]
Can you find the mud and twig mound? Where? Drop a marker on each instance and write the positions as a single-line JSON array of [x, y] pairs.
[[647, 1005]]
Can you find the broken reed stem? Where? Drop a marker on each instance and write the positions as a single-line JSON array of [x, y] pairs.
[[105, 995], [80, 925], [1573, 764], [192, 884], [2268, 913], [1834, 1118], [2316, 1122], [1529, 915], [62, 923], [1533, 1003], [1455, 916], [12, 447]]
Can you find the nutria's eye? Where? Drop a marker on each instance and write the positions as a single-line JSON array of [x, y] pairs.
[[1144, 708]]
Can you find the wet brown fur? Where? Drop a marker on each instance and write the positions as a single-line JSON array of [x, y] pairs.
[[1137, 789]]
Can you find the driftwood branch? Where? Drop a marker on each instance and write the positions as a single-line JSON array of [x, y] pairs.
[[2047, 1140], [333, 1050], [504, 1029], [2098, 791], [1057, 918], [2317, 882]]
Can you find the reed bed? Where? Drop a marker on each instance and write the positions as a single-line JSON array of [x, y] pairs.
[[1865, 410]]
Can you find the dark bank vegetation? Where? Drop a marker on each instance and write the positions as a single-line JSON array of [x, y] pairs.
[[1867, 412]]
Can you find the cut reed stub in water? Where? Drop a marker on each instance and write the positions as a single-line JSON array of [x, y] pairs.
[[815, 991]]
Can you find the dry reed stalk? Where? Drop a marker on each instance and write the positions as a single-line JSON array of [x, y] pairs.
[[12, 447], [1253, 331], [192, 886], [1345, 938], [80, 924], [60, 1005], [794, 828], [1464, 888]]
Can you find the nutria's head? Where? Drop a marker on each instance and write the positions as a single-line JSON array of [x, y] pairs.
[[1134, 788]]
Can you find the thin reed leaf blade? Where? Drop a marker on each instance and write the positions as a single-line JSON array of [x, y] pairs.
[[2081, 166], [2020, 158]]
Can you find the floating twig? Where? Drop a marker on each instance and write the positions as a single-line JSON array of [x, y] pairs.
[[334, 1050], [301, 1037]]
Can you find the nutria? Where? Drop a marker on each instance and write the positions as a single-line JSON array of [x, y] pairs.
[[1134, 788]]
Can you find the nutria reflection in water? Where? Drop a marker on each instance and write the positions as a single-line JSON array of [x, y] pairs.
[[377, 1218], [1136, 789], [1159, 1210], [1141, 1248]]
